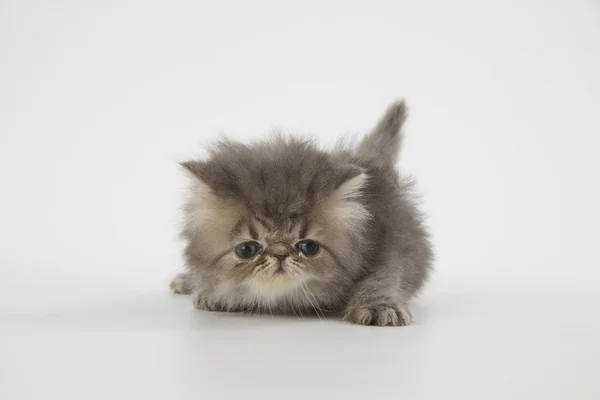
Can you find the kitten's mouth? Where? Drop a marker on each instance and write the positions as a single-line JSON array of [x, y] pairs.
[[279, 271], [279, 274]]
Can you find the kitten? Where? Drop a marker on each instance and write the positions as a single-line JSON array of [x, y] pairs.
[[283, 226]]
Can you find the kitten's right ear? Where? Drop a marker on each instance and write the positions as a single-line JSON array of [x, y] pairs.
[[203, 208], [193, 170], [213, 177]]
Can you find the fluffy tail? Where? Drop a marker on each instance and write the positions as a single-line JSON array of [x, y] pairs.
[[383, 144]]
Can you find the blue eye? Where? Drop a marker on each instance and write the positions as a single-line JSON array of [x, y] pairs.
[[308, 247], [247, 249]]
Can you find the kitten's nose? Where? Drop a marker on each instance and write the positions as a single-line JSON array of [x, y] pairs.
[[279, 251]]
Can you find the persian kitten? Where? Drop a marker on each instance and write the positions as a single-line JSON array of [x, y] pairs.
[[283, 226]]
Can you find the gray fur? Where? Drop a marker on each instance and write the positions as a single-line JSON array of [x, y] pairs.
[[382, 146], [375, 252]]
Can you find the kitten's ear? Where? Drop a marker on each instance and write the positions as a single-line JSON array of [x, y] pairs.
[[352, 182], [345, 204], [206, 208], [211, 177], [195, 171]]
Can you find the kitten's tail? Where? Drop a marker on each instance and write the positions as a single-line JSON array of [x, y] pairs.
[[383, 144]]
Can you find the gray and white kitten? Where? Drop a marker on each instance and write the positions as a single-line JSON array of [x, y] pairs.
[[283, 226]]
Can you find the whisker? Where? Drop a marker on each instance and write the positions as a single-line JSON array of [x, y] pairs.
[[311, 303], [315, 299], [270, 307], [291, 302], [298, 302], [256, 302]]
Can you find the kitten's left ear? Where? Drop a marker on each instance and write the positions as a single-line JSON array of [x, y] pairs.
[[352, 183], [345, 202]]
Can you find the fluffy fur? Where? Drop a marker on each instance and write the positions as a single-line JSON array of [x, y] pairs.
[[374, 250]]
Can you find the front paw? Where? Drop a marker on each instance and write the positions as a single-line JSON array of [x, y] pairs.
[[182, 284], [379, 315]]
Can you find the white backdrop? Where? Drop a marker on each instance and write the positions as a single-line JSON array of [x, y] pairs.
[[100, 99]]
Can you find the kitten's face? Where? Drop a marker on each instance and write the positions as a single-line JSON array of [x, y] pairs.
[[264, 254], [271, 225]]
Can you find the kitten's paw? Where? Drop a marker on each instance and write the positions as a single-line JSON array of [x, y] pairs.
[[380, 315], [182, 284]]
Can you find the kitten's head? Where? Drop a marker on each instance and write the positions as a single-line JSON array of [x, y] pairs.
[[273, 215]]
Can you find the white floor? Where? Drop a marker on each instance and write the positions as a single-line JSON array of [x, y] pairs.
[[99, 99], [156, 346]]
